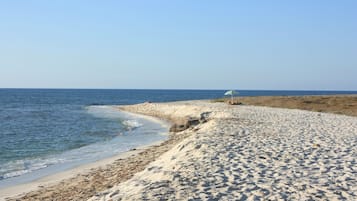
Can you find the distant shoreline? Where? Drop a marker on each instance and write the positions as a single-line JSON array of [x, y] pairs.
[[337, 104]]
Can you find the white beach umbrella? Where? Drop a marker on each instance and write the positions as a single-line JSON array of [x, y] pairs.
[[231, 93]]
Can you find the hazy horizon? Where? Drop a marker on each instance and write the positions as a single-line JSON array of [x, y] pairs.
[[173, 89], [255, 45]]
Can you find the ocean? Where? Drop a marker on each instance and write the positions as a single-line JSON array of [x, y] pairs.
[[43, 131]]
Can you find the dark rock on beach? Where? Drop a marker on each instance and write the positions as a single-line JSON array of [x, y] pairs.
[[188, 123]]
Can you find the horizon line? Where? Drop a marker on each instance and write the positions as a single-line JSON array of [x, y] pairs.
[[178, 89]]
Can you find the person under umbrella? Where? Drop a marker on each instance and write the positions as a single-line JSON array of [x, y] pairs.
[[231, 93]]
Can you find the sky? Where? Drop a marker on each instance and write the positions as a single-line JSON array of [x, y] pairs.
[[179, 44]]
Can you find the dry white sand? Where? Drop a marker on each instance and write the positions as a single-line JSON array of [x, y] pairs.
[[249, 153]]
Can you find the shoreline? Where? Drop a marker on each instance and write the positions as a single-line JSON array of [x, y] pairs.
[[53, 179], [20, 190], [191, 166]]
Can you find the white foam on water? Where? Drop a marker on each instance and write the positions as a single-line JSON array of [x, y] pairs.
[[129, 122], [140, 131], [16, 173], [20, 167], [132, 124]]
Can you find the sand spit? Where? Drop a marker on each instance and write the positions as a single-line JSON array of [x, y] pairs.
[[248, 153]]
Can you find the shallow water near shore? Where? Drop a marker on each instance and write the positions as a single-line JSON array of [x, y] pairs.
[[137, 131]]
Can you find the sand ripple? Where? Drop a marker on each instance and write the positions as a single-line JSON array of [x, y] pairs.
[[249, 153]]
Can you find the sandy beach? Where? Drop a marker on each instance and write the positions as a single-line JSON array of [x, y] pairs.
[[249, 152], [238, 153]]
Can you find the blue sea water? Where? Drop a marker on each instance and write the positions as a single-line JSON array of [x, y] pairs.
[[44, 128]]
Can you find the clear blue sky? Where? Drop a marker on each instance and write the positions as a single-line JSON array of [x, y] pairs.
[[183, 44]]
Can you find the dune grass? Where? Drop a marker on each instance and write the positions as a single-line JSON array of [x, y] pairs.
[[338, 104]]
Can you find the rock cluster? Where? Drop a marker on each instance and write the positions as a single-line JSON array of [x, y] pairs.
[[189, 122]]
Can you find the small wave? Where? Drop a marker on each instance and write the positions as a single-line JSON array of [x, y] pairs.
[[131, 124], [20, 167], [15, 173]]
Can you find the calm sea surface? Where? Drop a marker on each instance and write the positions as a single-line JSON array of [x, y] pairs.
[[60, 128]]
